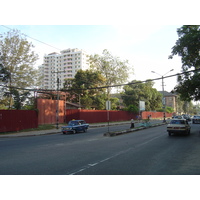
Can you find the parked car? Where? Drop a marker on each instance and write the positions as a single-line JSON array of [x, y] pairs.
[[75, 126], [196, 119], [178, 126]]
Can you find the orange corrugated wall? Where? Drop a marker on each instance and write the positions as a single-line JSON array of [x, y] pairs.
[[47, 111]]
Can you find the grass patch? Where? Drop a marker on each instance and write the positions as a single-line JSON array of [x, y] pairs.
[[40, 128]]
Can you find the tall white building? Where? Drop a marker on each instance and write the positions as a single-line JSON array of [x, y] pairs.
[[62, 65]]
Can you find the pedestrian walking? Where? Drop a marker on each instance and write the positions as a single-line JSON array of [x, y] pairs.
[[132, 123], [139, 118]]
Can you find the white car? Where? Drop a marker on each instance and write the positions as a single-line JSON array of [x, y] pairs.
[[178, 126], [196, 119]]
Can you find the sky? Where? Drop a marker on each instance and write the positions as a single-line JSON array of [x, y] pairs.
[[141, 32], [145, 47]]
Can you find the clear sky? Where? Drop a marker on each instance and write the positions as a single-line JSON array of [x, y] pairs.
[[146, 47], [142, 32]]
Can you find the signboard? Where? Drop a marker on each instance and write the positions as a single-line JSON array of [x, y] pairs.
[[108, 105], [141, 105], [163, 100]]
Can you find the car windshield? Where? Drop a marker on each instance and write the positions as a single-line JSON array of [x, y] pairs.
[[72, 123], [177, 122]]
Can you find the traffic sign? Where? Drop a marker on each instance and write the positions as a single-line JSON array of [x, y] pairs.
[[108, 105]]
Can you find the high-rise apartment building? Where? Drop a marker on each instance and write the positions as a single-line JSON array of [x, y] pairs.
[[62, 65]]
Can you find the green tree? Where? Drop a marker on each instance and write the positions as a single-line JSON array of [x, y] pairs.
[[3, 102], [85, 86], [132, 108], [100, 101], [114, 103], [112, 68], [187, 46], [137, 91], [18, 60], [169, 109], [19, 98]]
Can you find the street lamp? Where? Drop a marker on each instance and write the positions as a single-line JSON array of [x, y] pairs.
[[57, 104], [163, 99]]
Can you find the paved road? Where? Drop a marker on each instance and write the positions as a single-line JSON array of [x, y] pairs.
[[149, 151]]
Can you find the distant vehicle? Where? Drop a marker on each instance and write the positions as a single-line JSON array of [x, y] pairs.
[[178, 117], [196, 119], [178, 126], [187, 117], [75, 126]]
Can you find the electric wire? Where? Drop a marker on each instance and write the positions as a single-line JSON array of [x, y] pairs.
[[33, 38], [101, 87]]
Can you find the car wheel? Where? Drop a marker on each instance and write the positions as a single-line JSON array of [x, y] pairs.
[[74, 131], [64, 133], [169, 133], [188, 132]]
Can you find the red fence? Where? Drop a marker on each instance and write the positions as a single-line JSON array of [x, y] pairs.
[[15, 120], [95, 116], [155, 115], [47, 111]]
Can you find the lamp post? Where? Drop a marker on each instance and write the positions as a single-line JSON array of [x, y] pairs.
[[163, 91], [57, 104]]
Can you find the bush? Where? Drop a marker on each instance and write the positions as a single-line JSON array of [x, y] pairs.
[[132, 108]]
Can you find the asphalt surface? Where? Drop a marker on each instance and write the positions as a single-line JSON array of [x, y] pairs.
[[146, 152]]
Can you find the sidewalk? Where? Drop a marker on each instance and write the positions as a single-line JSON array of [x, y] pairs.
[[54, 131]]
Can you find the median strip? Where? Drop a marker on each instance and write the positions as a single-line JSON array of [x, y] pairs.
[[116, 133]]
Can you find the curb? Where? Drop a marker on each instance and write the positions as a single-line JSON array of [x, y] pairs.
[[111, 134], [26, 135]]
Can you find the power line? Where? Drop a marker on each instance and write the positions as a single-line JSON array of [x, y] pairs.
[[106, 86], [33, 38]]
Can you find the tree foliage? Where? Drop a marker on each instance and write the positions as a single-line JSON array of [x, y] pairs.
[[137, 91], [132, 108], [79, 88], [188, 47], [169, 109], [19, 98], [112, 68], [18, 59]]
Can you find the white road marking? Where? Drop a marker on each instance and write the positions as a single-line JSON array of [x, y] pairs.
[[101, 161], [115, 155]]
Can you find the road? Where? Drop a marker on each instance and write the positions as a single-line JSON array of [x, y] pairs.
[[146, 152]]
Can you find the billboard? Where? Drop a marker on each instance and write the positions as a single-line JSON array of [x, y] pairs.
[[141, 105]]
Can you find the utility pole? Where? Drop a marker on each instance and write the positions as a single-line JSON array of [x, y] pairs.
[[57, 103], [163, 91]]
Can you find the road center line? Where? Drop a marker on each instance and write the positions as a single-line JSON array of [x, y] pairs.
[[115, 155], [101, 161]]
